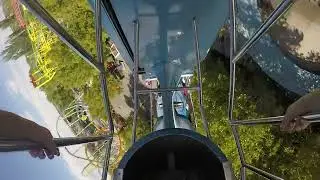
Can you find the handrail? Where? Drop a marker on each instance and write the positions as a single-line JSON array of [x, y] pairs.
[[314, 118], [10, 145]]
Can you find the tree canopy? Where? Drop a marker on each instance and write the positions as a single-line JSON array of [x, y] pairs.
[[72, 72], [255, 96]]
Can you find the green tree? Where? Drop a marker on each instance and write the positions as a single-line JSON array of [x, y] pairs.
[[7, 22], [18, 45]]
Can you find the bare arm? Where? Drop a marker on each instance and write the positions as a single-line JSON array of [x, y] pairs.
[[309, 103], [16, 127]]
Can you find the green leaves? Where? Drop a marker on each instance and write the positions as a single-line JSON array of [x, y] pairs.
[[291, 156], [72, 72]]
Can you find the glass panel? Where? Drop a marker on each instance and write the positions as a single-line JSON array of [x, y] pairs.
[[250, 16], [43, 80], [77, 17], [270, 77]]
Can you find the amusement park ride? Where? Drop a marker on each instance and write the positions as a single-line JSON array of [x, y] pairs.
[[156, 36], [41, 45]]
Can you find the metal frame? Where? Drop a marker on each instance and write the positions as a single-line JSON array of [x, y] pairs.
[[37, 10], [146, 91], [151, 111], [137, 92], [196, 44], [135, 80], [234, 57]]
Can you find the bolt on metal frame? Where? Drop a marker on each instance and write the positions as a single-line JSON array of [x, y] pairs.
[[48, 20]]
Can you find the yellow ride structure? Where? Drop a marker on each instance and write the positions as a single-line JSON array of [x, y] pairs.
[[41, 40]]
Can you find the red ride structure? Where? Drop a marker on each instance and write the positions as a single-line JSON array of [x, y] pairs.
[[17, 13]]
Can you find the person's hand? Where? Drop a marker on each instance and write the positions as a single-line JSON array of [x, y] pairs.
[[30, 131], [290, 124], [293, 120], [43, 137]]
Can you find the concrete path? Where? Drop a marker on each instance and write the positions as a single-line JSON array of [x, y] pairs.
[[119, 102]]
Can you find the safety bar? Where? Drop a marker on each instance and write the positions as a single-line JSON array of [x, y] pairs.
[[315, 118], [9, 145], [146, 91]]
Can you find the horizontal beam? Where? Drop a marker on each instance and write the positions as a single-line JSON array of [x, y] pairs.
[[147, 91], [7, 145], [315, 118], [262, 172]]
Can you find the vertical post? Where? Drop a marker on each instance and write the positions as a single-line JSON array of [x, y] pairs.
[[243, 173], [135, 79], [192, 108], [204, 120], [151, 111], [104, 87], [233, 46]]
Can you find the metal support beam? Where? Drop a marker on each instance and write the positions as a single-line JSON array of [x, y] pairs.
[[104, 87], [79, 133], [233, 47], [275, 15], [196, 44], [135, 80], [9, 145], [315, 118], [151, 111], [146, 91], [37, 10], [243, 173], [116, 24], [262, 173]]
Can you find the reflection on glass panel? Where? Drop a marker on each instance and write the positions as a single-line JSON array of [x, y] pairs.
[[77, 17], [296, 34]]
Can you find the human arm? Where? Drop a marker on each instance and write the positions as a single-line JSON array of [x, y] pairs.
[[18, 128], [293, 121]]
